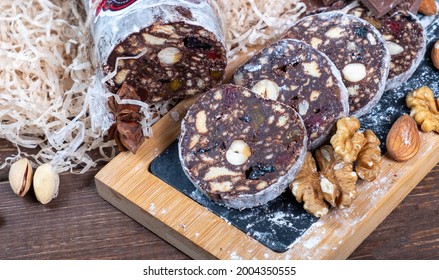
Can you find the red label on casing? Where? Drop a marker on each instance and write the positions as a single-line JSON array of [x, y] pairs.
[[113, 5]]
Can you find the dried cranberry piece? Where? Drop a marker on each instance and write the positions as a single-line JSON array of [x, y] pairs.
[[394, 27], [213, 55]]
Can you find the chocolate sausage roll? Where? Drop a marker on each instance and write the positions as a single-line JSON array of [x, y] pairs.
[[176, 46], [239, 149], [405, 38], [356, 48], [294, 73]]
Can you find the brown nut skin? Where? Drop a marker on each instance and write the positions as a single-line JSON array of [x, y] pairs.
[[435, 55], [403, 140], [428, 7]]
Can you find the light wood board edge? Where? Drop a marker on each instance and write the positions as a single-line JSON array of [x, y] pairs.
[[126, 183]]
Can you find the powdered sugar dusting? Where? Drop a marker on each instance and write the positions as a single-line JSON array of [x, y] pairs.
[[235, 256], [313, 242], [152, 209]]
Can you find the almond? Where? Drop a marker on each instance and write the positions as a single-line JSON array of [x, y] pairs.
[[403, 140], [428, 7], [435, 55]]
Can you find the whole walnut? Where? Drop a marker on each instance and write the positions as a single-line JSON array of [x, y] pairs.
[[424, 108]]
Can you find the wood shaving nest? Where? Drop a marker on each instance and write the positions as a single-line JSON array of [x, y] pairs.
[[257, 22], [46, 74]]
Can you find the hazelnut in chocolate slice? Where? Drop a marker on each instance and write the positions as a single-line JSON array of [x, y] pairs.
[[239, 149], [294, 73]]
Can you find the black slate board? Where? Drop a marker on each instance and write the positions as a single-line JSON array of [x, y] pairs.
[[280, 222], [276, 224]]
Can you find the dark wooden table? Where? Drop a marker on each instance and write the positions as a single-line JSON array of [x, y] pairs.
[[79, 224]]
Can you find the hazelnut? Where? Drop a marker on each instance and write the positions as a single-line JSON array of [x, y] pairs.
[[46, 183], [20, 176], [238, 152], [266, 89], [169, 55], [354, 72]]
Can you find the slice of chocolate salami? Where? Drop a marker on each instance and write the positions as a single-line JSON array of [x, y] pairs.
[[405, 38], [239, 149], [176, 47], [294, 73], [356, 48]]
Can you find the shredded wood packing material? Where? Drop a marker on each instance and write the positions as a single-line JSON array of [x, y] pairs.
[[257, 22], [44, 77]]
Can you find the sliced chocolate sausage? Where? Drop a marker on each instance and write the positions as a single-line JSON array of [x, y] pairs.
[[405, 38], [356, 48], [239, 149], [176, 47], [294, 73]]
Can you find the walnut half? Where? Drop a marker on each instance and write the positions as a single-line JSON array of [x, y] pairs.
[[338, 178], [424, 109], [369, 159], [306, 188], [347, 141], [335, 183]]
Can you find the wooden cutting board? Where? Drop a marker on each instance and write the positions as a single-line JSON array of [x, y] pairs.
[[205, 232]]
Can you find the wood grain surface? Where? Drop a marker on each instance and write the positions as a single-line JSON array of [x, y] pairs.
[[81, 225]]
